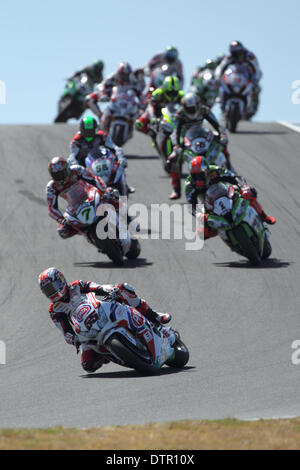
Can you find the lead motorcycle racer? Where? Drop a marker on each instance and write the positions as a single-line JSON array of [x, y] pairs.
[[65, 298]]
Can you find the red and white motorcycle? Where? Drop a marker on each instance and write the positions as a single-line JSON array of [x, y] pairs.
[[129, 338], [100, 222], [119, 117]]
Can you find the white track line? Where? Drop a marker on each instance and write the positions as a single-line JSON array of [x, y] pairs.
[[289, 125]]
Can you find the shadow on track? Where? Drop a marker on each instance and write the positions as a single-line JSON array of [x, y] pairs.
[[131, 374], [262, 132], [128, 264], [142, 157], [271, 263]]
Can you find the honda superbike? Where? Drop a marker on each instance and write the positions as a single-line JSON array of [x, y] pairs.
[[201, 141], [236, 94], [120, 115], [102, 162], [71, 101], [126, 336], [105, 231], [237, 222]]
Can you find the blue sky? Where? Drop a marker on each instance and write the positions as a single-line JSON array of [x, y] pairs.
[[45, 41]]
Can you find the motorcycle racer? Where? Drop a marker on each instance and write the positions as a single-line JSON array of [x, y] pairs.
[[191, 112], [202, 176], [65, 298], [69, 182], [94, 72], [88, 138], [169, 92], [238, 54], [124, 77], [169, 56]]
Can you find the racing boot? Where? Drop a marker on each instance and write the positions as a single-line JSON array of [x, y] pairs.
[[157, 318], [176, 183]]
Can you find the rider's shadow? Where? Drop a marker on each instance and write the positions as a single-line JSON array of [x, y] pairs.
[[131, 374], [128, 264], [271, 263]]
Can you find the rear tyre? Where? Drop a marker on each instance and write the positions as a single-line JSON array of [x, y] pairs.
[[132, 357], [246, 245]]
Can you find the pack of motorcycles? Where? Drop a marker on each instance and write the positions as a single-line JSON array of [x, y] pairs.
[[237, 223]]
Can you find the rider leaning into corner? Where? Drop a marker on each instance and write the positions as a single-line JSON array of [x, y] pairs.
[[169, 92], [124, 77], [65, 298], [238, 54], [202, 176], [88, 139], [69, 182], [191, 112], [94, 72]]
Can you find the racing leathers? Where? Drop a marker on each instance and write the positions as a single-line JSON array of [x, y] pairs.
[[215, 174], [80, 148], [61, 311], [183, 124], [251, 63], [74, 191], [159, 99], [104, 91], [158, 60]]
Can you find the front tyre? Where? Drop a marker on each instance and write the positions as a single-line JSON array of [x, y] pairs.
[[111, 247], [181, 357], [246, 245], [132, 357], [135, 250]]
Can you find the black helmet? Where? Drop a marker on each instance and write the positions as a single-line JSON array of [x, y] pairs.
[[97, 70], [237, 51]]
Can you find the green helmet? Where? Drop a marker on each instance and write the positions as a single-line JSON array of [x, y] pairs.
[[88, 127], [171, 87]]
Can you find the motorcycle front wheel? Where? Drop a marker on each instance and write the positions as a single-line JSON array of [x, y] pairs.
[[141, 361]]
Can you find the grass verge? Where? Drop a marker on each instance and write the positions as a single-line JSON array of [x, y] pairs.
[[181, 435]]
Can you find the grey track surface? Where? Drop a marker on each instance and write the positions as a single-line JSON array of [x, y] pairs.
[[239, 322]]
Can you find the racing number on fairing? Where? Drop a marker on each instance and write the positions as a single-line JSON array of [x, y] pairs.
[[86, 213], [90, 320]]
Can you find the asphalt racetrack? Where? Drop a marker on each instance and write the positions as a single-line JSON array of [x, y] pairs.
[[239, 322]]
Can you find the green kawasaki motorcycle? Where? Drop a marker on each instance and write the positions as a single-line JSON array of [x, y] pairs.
[[70, 104], [237, 222]]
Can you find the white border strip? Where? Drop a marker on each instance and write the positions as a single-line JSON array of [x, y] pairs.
[[290, 126]]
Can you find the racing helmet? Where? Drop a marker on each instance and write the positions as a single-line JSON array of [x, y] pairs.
[[53, 284]]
